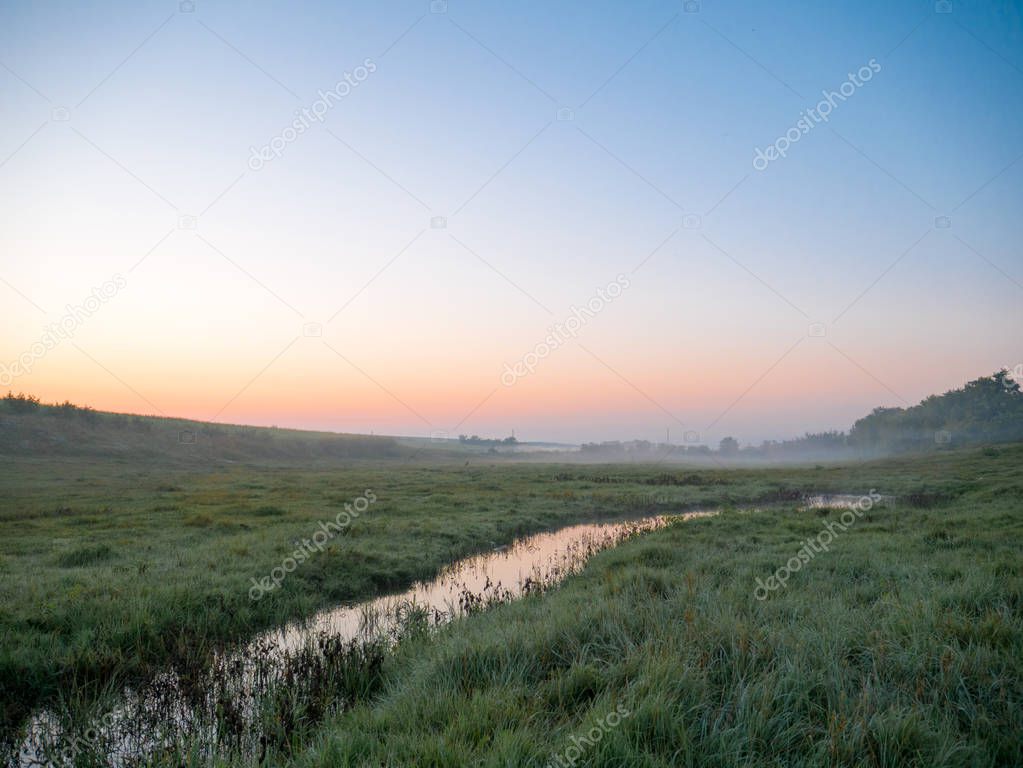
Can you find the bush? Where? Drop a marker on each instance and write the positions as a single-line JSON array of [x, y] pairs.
[[20, 403]]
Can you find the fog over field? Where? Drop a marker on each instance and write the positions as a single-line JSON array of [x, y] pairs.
[[444, 383]]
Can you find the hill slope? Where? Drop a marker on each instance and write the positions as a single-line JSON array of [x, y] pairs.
[[29, 428]]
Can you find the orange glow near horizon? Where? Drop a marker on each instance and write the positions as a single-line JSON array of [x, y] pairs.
[[440, 222], [310, 386]]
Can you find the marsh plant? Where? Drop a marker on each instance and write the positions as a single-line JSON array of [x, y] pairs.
[[308, 546], [266, 698], [249, 704], [816, 544], [581, 744]]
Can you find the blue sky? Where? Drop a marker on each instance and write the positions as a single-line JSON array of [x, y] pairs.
[[668, 103]]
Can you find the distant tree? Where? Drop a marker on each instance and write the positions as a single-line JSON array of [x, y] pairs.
[[21, 403], [67, 408], [988, 409], [486, 442], [728, 446]]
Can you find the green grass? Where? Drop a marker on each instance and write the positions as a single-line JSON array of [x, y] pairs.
[[110, 568], [84, 556], [55, 432], [902, 646]]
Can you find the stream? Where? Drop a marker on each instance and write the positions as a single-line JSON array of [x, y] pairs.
[[255, 696], [296, 670]]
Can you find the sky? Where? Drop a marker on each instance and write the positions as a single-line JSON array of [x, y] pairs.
[[572, 220]]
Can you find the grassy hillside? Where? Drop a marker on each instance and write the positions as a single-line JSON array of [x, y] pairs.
[[28, 428]]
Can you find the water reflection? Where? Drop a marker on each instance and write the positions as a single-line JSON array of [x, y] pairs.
[[247, 698], [845, 501], [506, 572]]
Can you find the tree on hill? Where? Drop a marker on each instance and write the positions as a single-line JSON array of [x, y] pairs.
[[988, 409]]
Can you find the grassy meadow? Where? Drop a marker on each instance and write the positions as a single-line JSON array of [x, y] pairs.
[[900, 646]]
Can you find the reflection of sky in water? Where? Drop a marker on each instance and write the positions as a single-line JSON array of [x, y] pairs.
[[844, 501], [539, 557], [544, 557]]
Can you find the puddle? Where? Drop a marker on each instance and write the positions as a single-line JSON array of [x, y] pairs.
[[846, 501]]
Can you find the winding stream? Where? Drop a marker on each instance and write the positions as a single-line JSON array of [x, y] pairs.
[[224, 705], [231, 704]]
